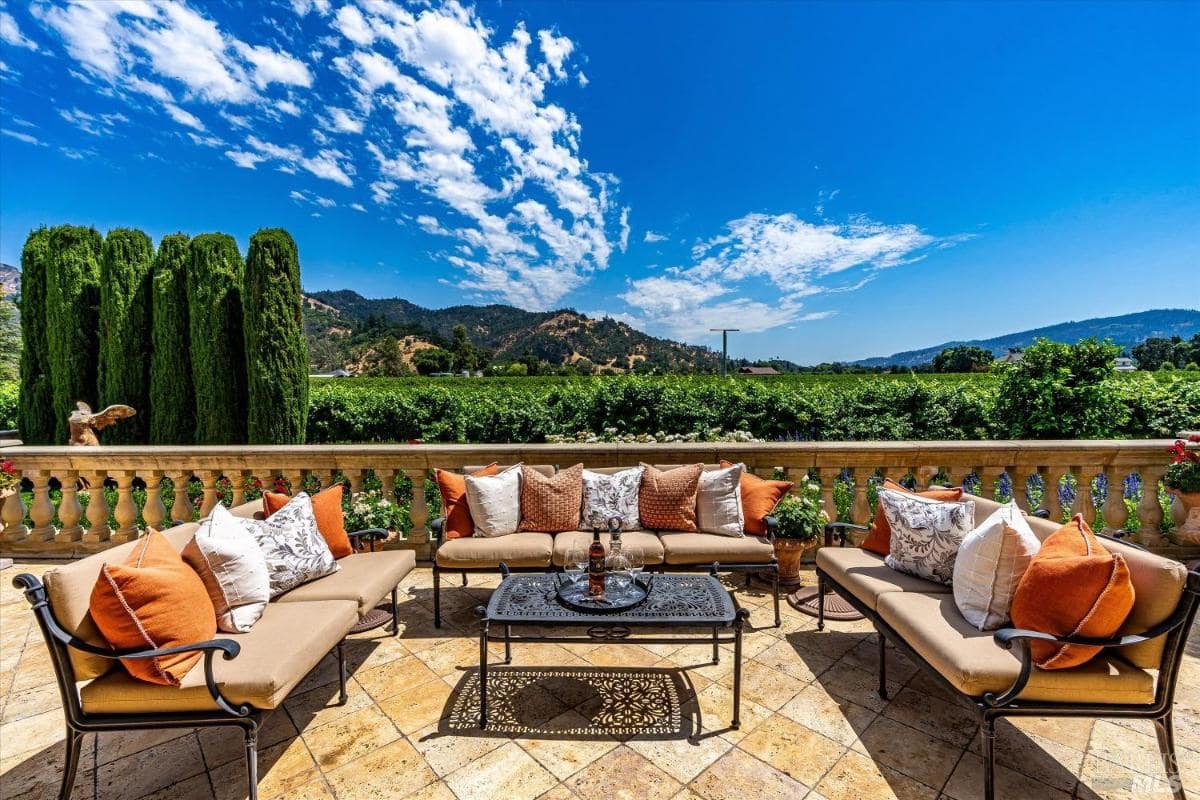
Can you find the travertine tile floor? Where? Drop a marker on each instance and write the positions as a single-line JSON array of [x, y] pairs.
[[812, 724]]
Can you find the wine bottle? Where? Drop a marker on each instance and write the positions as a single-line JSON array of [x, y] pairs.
[[596, 566]]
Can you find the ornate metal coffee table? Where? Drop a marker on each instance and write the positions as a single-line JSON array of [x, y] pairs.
[[675, 601]]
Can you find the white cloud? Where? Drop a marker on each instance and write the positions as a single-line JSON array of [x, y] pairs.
[[244, 159], [98, 124], [206, 141], [21, 136], [288, 107], [75, 155], [430, 224], [341, 120], [653, 237], [556, 49], [10, 33], [183, 117], [273, 66], [358, 207], [303, 7], [623, 242]]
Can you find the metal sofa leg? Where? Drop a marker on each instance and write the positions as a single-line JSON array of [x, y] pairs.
[[775, 590], [252, 760], [395, 613], [987, 730], [1165, 728], [883, 692], [70, 763], [437, 596], [464, 577], [820, 602], [341, 659]]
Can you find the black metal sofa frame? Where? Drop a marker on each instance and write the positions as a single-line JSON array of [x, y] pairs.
[[991, 707]]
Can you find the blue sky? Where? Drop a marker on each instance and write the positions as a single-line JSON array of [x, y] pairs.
[[837, 180]]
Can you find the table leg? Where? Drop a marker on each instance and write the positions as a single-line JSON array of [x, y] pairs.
[[716, 649], [483, 670], [738, 624], [508, 644]]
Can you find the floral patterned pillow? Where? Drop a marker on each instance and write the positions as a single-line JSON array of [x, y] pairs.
[[295, 550], [926, 534], [608, 496]]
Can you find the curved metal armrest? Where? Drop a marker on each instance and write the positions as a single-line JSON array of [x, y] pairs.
[[772, 523], [839, 529], [438, 529], [368, 535]]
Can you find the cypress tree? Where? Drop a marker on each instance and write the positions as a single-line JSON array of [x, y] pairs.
[[35, 409], [124, 377], [277, 352], [214, 287], [173, 407], [72, 320]]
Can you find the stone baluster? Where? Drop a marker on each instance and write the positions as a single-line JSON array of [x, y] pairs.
[[155, 511], [126, 510], [295, 479], [238, 481], [13, 517], [1150, 513], [1179, 512], [387, 480], [97, 510], [41, 510], [418, 512], [796, 476], [860, 508], [925, 476], [1085, 496], [70, 512], [956, 475], [355, 476], [989, 480], [181, 507], [827, 475], [208, 481], [1020, 475], [1115, 512], [1051, 475]]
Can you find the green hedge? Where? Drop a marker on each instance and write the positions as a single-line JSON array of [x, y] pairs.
[[72, 314], [214, 282], [173, 414], [124, 371], [277, 364], [35, 418]]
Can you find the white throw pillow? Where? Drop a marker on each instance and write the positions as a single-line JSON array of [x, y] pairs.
[[225, 554], [926, 534], [990, 563], [608, 496], [495, 502], [719, 502], [295, 550]]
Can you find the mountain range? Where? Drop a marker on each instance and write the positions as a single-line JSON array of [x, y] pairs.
[[10, 281], [1125, 330]]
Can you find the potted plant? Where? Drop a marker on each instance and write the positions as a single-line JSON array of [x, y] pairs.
[[370, 509], [801, 525], [1183, 480]]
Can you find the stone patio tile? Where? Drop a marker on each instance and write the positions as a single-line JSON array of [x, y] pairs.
[[316, 789], [197, 787], [857, 686], [394, 770], [453, 657], [624, 773], [856, 777], [966, 783], [1042, 759], [560, 792], [621, 655], [32, 734], [320, 706], [829, 716], [782, 656], [419, 706], [119, 744], [560, 753], [1072, 732], [765, 686], [950, 721], [792, 748], [738, 775], [715, 704], [445, 752], [226, 743], [394, 677], [150, 770], [38, 774], [369, 650], [282, 768], [507, 772], [865, 656], [682, 759], [350, 737], [1133, 749], [916, 754]]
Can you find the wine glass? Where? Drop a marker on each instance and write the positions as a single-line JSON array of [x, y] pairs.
[[576, 563], [617, 566], [633, 555]]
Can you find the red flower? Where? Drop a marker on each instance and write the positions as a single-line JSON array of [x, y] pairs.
[[8, 467], [1195, 437]]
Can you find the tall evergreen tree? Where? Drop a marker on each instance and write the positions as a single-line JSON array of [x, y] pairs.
[[214, 289], [72, 320], [35, 410], [127, 259], [173, 404], [277, 350]]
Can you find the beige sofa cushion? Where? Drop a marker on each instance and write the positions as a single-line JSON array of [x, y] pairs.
[[867, 577], [282, 647], [525, 549], [970, 660], [365, 578], [645, 541], [683, 547], [69, 589]]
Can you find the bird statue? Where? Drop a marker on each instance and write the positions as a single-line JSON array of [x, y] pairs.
[[84, 423]]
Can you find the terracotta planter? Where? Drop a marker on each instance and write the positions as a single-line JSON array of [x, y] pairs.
[[1189, 531], [789, 552]]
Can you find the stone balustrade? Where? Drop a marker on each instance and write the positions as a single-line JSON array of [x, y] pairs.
[[69, 510]]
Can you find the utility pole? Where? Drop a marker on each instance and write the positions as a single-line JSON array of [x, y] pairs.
[[725, 346]]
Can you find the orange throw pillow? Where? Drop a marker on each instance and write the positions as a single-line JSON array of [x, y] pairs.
[[1074, 587], [327, 508], [551, 505], [153, 600], [453, 486], [759, 498], [879, 538], [667, 500]]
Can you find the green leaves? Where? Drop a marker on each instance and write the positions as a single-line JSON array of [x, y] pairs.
[[173, 407], [214, 291], [126, 264]]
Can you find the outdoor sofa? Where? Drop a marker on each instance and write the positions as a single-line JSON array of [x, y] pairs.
[[662, 551], [254, 673], [1133, 678]]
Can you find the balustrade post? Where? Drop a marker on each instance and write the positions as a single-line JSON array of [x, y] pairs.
[[418, 512], [70, 512], [41, 510], [1086, 497], [1019, 476], [956, 476], [860, 508], [237, 486], [181, 506], [387, 481], [1150, 513], [989, 481], [355, 476], [208, 480], [925, 475], [1051, 476], [13, 517], [155, 511], [827, 476], [795, 475], [126, 510], [97, 510], [1115, 512], [1179, 513]]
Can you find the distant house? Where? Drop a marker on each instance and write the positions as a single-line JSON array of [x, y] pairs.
[[757, 371], [337, 373], [1124, 364], [1013, 356]]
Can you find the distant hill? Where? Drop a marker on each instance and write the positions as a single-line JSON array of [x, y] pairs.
[[1125, 330], [10, 281], [558, 337]]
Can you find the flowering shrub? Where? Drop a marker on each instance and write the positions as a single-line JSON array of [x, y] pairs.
[[8, 476], [1183, 475], [800, 514], [613, 435], [371, 509]]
